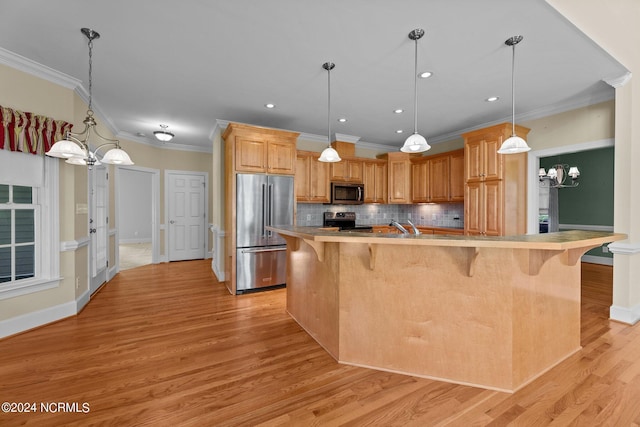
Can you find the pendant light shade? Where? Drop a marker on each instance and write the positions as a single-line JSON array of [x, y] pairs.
[[117, 156], [513, 144], [329, 154], [415, 143]]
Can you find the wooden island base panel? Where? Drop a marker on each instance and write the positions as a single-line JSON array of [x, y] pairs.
[[492, 312]]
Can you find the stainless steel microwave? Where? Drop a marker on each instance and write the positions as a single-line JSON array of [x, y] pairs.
[[347, 194]]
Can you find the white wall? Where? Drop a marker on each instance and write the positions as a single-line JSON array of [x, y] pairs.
[[135, 206]]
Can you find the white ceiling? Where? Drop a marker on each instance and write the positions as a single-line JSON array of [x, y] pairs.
[[192, 63]]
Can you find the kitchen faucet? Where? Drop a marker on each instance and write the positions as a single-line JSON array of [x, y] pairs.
[[415, 229], [399, 226]]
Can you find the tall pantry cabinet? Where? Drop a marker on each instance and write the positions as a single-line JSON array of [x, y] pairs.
[[495, 202]]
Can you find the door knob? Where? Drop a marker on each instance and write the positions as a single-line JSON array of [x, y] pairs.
[[172, 222]]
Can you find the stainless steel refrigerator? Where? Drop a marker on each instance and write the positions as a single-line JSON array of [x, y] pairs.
[[261, 200]]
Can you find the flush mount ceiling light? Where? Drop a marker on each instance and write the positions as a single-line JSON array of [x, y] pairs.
[[415, 143], [75, 148], [163, 135], [514, 144], [329, 154]]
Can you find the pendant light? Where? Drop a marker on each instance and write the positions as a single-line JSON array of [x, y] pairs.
[[75, 147], [513, 144], [329, 154], [415, 143]]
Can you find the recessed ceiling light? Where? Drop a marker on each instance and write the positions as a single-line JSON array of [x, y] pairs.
[[398, 111], [270, 105], [492, 99], [425, 74], [342, 119], [399, 131]]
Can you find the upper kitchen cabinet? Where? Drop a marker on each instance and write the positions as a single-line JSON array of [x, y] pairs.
[[347, 170], [482, 161], [456, 175], [398, 177], [312, 178], [496, 184], [438, 178], [375, 181], [261, 150]]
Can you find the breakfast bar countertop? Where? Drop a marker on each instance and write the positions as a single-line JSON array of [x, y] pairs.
[[552, 241]]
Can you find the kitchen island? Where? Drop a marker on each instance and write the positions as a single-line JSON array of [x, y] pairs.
[[493, 312]]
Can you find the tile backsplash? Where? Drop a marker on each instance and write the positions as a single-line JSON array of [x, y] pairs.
[[436, 215]]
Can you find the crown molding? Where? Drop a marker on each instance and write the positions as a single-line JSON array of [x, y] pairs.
[[617, 82], [164, 145], [28, 66]]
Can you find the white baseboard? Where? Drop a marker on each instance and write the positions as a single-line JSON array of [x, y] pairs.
[[28, 321], [597, 259], [82, 301], [629, 316]]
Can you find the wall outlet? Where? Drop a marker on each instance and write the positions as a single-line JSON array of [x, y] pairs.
[[308, 217], [409, 215], [77, 282]]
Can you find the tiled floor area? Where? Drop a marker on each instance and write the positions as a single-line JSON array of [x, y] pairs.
[[134, 255]]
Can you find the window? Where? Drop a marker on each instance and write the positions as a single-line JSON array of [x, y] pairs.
[[29, 234], [19, 213]]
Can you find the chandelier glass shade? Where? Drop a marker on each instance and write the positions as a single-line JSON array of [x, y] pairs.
[[75, 147]]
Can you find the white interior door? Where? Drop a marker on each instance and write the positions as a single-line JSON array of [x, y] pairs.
[[186, 216], [98, 226]]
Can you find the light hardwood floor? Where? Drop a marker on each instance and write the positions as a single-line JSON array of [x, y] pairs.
[[166, 345]]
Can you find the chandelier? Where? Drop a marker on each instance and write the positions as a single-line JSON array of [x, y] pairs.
[[75, 147], [557, 176]]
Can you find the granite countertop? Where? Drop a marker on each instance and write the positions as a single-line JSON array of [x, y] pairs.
[[550, 241]]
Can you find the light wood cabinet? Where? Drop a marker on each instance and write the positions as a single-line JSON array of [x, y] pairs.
[[420, 180], [438, 178], [347, 170], [456, 176], [375, 181], [312, 178], [398, 177], [250, 149], [495, 187], [263, 152]]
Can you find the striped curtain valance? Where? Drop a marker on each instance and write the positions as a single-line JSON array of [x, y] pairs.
[[29, 132]]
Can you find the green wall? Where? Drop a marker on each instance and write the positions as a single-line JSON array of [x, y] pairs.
[[591, 202]]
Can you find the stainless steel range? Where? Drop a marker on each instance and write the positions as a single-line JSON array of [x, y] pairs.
[[345, 221]]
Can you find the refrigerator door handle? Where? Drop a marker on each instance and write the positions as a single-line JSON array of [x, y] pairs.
[[270, 197], [264, 210], [260, 250]]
